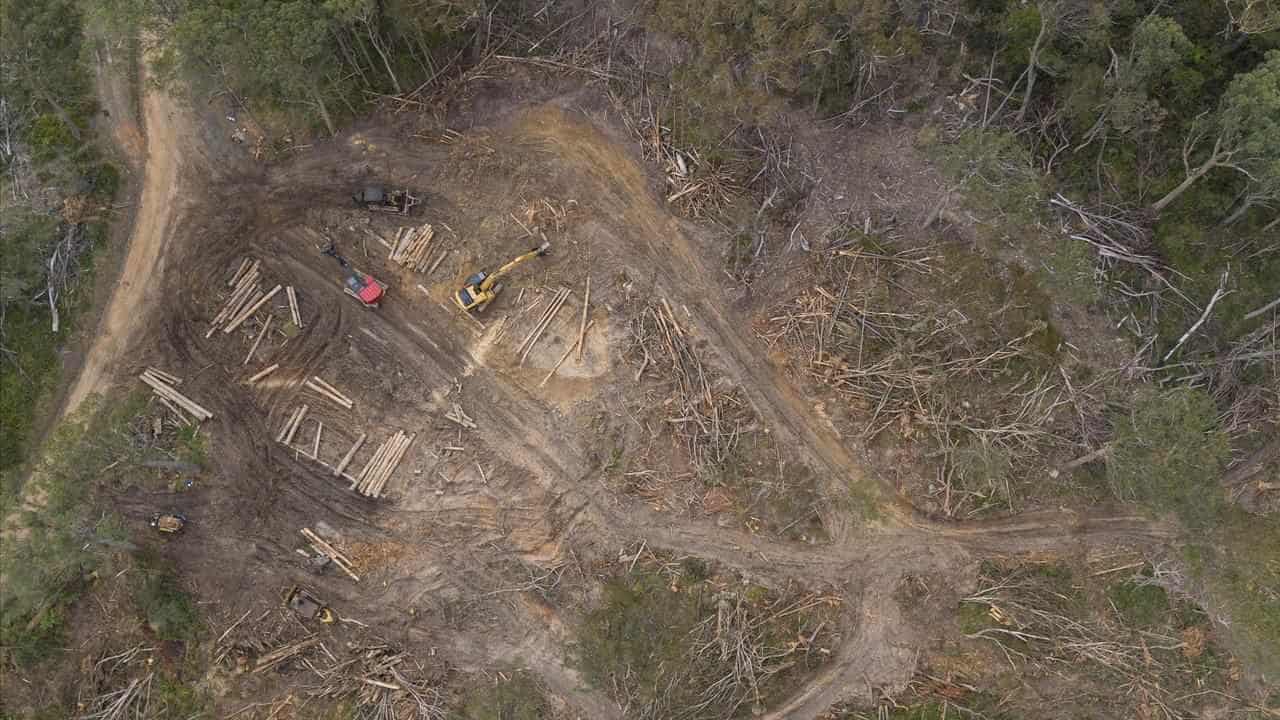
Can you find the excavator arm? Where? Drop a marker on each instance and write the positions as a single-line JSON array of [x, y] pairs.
[[488, 283]]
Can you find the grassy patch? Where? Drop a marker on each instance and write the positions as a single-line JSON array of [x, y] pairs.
[[168, 610], [520, 698], [1169, 453], [1240, 568], [661, 641], [1139, 605]]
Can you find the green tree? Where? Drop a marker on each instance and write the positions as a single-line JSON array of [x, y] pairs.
[[1245, 131], [1169, 453], [1158, 48]]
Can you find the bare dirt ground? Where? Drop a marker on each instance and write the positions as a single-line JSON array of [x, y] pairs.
[[467, 508]]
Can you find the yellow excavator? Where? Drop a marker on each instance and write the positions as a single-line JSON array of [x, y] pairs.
[[480, 289]]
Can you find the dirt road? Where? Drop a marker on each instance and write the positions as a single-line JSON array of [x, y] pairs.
[[166, 126]]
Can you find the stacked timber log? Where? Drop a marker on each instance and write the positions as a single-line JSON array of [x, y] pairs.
[[162, 384], [245, 292], [324, 548], [547, 316], [293, 306], [291, 426], [457, 415], [329, 392], [372, 480], [411, 245]]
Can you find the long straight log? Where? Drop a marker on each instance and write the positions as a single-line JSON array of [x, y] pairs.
[[253, 309], [166, 390], [264, 372], [376, 475], [339, 559], [258, 340], [315, 449], [327, 386], [235, 278], [543, 321], [167, 377], [376, 489], [582, 328], [296, 423], [388, 448], [346, 459], [293, 306], [368, 466], [328, 395], [547, 323], [565, 356], [288, 424]]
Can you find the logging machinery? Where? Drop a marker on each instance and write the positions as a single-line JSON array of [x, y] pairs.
[[168, 523], [308, 605], [358, 285], [480, 289], [380, 199]]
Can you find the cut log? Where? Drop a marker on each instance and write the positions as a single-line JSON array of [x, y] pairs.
[[537, 334], [263, 373], [302, 413], [582, 328], [337, 393], [368, 466], [325, 547], [565, 356], [235, 278], [288, 425], [346, 459], [324, 391], [165, 390], [315, 449], [252, 309], [261, 334], [293, 306]]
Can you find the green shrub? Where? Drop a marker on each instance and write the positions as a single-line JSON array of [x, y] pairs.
[[519, 698], [168, 609], [1143, 606], [1169, 453], [1240, 567]]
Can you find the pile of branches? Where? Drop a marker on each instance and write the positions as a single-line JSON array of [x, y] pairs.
[[1035, 622], [706, 415], [898, 362], [698, 188], [740, 649], [386, 684], [109, 701]]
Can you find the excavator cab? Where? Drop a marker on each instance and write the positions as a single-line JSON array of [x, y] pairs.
[[380, 199], [482, 288], [308, 606], [361, 286], [168, 523]]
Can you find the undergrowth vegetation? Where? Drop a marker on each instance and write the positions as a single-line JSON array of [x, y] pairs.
[[671, 639]]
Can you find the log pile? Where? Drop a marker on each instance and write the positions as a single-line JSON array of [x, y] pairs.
[[324, 548], [547, 316], [411, 245], [163, 385], [245, 298], [291, 427], [329, 392], [372, 480], [285, 652], [293, 306], [458, 416]]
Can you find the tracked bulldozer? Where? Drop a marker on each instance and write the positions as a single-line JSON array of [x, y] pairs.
[[379, 199]]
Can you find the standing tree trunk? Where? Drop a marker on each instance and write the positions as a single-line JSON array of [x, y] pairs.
[[395, 82], [1045, 19], [324, 111]]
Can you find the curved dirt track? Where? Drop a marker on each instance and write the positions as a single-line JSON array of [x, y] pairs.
[[168, 129], [547, 500]]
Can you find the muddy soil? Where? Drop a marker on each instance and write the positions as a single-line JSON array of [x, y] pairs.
[[526, 484]]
